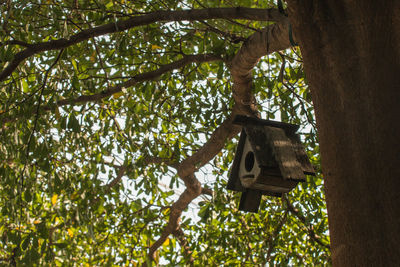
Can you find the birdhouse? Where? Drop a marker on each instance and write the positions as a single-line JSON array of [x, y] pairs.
[[269, 160]]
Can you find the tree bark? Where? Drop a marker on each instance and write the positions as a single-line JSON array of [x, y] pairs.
[[352, 62]]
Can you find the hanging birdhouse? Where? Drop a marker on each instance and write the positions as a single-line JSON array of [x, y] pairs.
[[269, 160]]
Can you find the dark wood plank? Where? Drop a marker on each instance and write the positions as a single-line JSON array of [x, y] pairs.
[[277, 181], [250, 200], [234, 180], [272, 194], [284, 154], [301, 155], [261, 147]]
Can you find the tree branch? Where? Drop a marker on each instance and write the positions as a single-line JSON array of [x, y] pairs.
[[151, 75], [158, 160], [193, 190], [147, 76], [272, 38], [207, 191], [186, 171], [15, 42], [157, 16], [212, 147], [120, 173]]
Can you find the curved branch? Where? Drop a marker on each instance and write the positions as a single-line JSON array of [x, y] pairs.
[[193, 190], [272, 38], [157, 16], [186, 171], [212, 147]]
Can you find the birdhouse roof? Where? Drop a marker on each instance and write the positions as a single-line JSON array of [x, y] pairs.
[[246, 120]]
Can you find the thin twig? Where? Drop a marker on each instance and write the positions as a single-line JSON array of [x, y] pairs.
[[37, 114], [273, 238], [310, 231], [180, 236], [21, 185]]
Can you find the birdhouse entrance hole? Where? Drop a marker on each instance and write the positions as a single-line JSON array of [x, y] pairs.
[[249, 161]]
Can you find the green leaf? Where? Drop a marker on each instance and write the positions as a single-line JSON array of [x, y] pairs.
[[28, 196], [42, 230], [73, 61], [25, 86], [25, 243], [73, 123], [220, 70], [61, 245]]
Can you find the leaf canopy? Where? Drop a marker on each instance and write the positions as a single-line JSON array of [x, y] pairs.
[[92, 135]]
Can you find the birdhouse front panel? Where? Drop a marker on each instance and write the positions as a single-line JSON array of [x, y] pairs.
[[249, 169]]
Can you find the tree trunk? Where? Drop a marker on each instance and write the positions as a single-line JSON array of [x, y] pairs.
[[351, 53]]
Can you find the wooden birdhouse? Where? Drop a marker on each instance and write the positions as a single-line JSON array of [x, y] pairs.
[[269, 160]]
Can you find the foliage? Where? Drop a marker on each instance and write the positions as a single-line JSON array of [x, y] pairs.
[[62, 197]]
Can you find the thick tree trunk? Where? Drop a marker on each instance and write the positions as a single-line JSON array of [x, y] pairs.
[[351, 52]]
